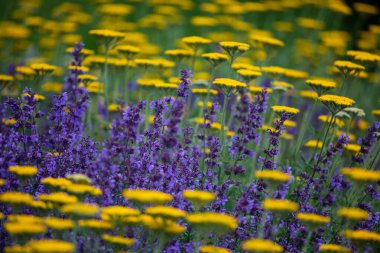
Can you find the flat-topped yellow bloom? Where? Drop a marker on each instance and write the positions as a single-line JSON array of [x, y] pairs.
[[280, 205], [248, 74], [79, 68], [376, 112], [204, 91], [15, 198], [51, 246], [336, 103], [158, 223], [362, 235], [328, 118], [147, 196], [313, 144], [283, 85], [58, 223], [231, 46], [42, 68], [295, 74], [105, 33], [95, 224], [243, 65], [229, 83], [201, 104], [79, 178], [285, 109], [261, 245], [81, 189], [310, 23], [167, 86], [81, 209], [128, 50], [166, 212], [272, 175], [17, 249], [58, 198], [119, 240], [312, 218], [118, 212], [2, 182], [83, 51], [179, 53], [361, 174], [213, 249], [321, 85], [347, 67], [273, 70], [24, 218], [353, 213], [198, 196], [37, 97], [54, 87], [18, 228], [195, 41], [366, 8], [149, 82], [56, 182], [260, 40], [4, 79], [333, 248], [363, 56], [354, 148], [215, 56], [259, 90], [213, 220], [23, 170], [115, 108]]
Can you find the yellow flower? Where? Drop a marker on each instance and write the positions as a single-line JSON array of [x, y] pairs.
[[149, 82], [107, 36], [362, 235], [280, 205], [351, 136], [353, 213], [158, 223], [118, 240], [310, 23], [248, 75], [311, 218], [42, 68], [55, 182], [167, 86], [58, 198], [147, 196], [327, 119], [232, 47], [321, 85], [272, 175], [229, 83], [348, 68], [273, 70], [361, 174], [23, 170], [54, 87], [336, 103], [79, 178], [58, 223], [83, 51], [198, 197], [355, 148], [260, 40], [363, 56], [95, 224], [166, 212], [282, 84], [195, 41], [259, 90], [17, 249], [295, 74], [81, 209], [261, 245], [179, 53], [215, 58], [24, 218], [9, 121], [116, 213], [50, 246], [242, 65], [313, 144], [365, 8], [17, 228], [213, 249], [15, 198], [285, 109], [6, 79], [37, 97], [213, 220], [204, 91], [2, 182], [333, 248], [79, 68], [128, 50], [376, 112]]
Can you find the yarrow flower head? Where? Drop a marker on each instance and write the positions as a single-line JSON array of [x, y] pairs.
[[363, 175], [280, 205], [348, 68], [147, 196], [285, 109], [353, 213], [195, 41], [336, 103], [233, 48], [261, 245], [215, 58], [321, 86], [228, 85], [330, 248]]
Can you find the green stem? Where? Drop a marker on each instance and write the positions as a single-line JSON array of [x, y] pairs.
[[106, 84], [306, 245], [261, 227]]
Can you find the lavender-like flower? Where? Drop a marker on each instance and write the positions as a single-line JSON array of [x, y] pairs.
[[186, 76], [366, 143]]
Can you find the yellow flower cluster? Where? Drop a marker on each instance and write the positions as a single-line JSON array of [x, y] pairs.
[[261, 245], [204, 91], [353, 213], [147, 196], [118, 240], [105, 33], [258, 90], [198, 196], [328, 119], [213, 249], [312, 218], [272, 175], [347, 67], [229, 83], [23, 170], [285, 109], [259, 40], [195, 41], [215, 220], [280, 205], [81, 209], [333, 248], [338, 102], [313, 144], [363, 56], [362, 235], [361, 174]]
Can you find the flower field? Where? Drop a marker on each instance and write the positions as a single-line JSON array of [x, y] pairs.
[[189, 126]]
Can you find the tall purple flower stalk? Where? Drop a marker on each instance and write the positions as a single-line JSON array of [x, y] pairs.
[[367, 143], [185, 83]]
